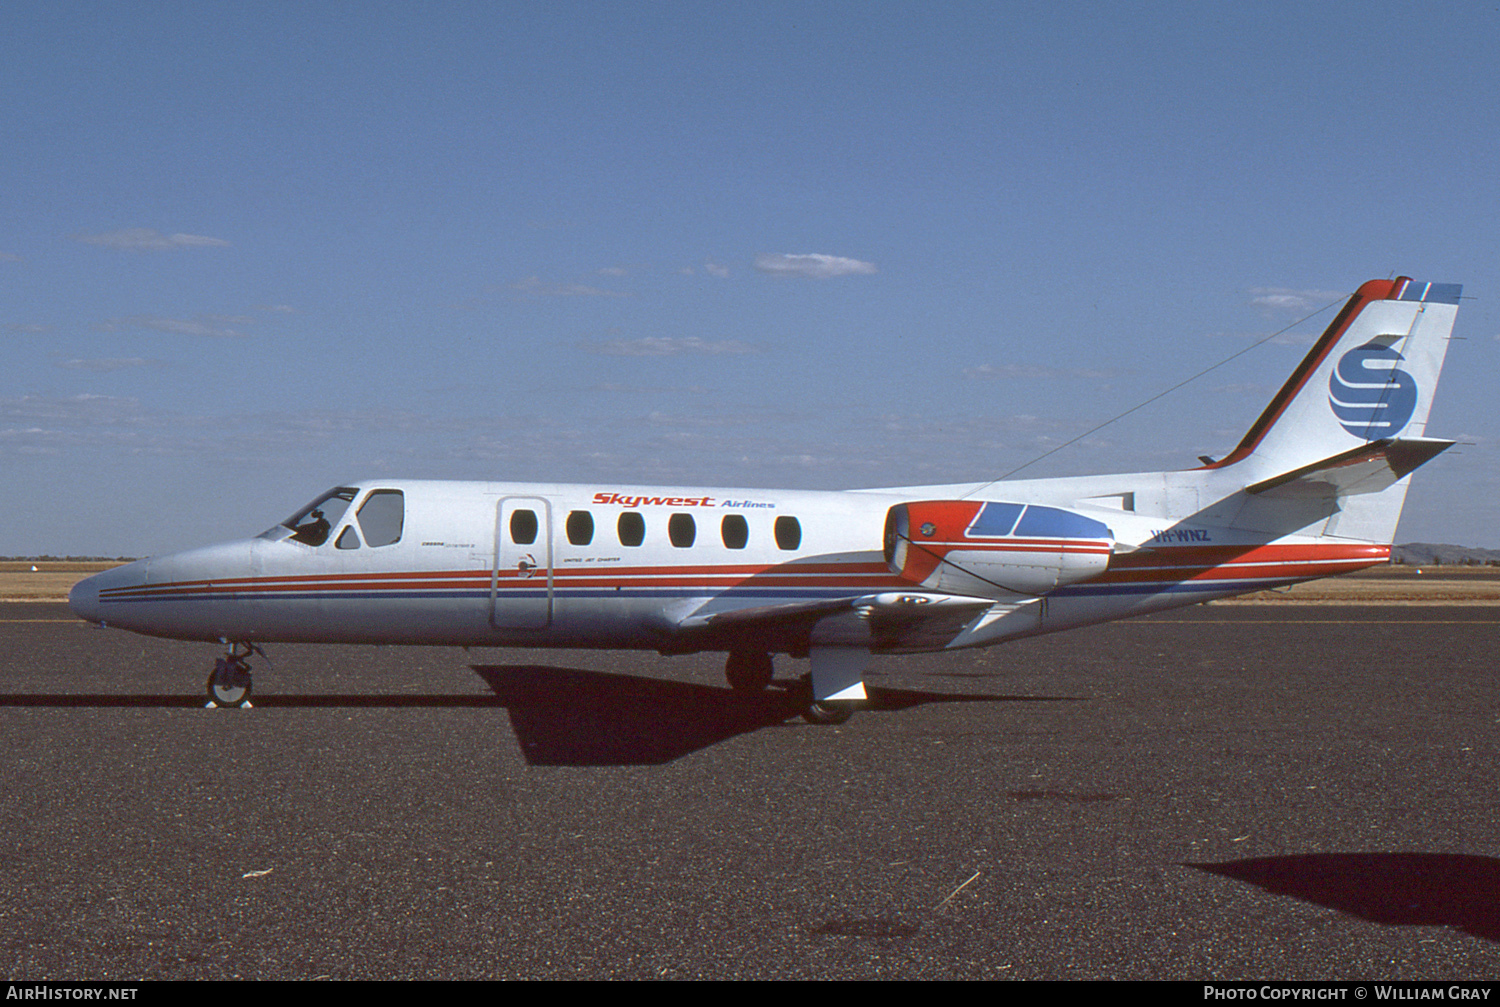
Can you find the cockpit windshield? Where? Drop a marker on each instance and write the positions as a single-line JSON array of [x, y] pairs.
[[311, 524]]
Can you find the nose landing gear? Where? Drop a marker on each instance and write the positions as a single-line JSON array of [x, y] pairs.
[[230, 684]]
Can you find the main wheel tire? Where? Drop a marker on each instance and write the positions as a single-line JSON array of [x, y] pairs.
[[748, 671], [827, 712]]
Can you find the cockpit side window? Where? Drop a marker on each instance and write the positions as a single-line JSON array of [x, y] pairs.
[[311, 524], [381, 517]]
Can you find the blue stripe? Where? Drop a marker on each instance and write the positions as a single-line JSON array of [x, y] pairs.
[[1432, 293]]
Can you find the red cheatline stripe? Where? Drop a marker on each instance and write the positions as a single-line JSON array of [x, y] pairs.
[[1163, 565], [325, 580], [1213, 555]]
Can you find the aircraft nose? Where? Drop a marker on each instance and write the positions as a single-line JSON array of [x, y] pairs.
[[83, 599]]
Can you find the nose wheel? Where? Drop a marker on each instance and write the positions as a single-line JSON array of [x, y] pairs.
[[231, 683]]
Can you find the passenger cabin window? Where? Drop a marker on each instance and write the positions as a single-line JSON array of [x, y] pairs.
[[381, 517], [311, 524], [788, 533], [523, 527], [735, 531], [580, 527], [631, 528], [681, 530]]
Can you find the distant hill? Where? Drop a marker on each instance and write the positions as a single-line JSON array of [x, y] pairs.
[[1428, 554]]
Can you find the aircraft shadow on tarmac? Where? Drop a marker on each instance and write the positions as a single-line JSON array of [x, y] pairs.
[[1396, 889], [573, 717], [576, 717]]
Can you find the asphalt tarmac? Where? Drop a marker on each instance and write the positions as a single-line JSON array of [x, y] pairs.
[[1228, 792]]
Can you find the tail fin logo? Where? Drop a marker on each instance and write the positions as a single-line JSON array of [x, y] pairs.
[[1369, 394]]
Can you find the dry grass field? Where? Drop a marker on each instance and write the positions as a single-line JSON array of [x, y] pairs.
[[44, 580], [1426, 585], [1431, 585]]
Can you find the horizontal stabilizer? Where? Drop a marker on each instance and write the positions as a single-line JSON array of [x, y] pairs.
[[1369, 468]]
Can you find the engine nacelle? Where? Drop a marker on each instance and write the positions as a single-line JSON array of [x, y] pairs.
[[994, 550]]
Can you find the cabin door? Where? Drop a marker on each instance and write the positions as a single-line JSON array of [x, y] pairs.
[[521, 580]]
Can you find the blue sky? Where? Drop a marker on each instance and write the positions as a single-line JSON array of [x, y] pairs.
[[249, 251]]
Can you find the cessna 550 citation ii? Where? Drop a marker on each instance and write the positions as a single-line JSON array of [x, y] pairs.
[[1315, 488]]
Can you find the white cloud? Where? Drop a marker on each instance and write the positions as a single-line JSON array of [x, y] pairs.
[[9, 257], [533, 286], [714, 269], [199, 325], [44, 425], [812, 266], [623, 388], [1284, 299], [102, 365], [666, 346], [145, 239], [1030, 372], [72, 412]]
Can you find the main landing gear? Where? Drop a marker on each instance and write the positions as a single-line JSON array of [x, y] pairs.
[[748, 671], [751, 671], [230, 683], [828, 713]]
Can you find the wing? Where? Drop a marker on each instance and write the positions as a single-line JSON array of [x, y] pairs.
[[888, 622]]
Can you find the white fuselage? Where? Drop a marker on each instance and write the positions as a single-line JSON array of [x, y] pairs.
[[457, 575], [1314, 488]]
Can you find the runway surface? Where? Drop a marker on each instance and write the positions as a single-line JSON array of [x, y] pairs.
[[1228, 792]]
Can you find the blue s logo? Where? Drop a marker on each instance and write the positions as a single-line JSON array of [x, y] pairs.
[[1369, 394]]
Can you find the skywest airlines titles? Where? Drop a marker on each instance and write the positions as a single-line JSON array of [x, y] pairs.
[[625, 501]]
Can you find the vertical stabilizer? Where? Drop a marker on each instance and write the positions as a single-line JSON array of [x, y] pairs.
[[1331, 453], [1370, 377]]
